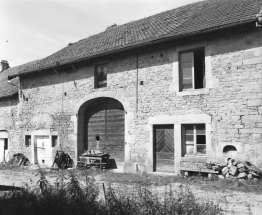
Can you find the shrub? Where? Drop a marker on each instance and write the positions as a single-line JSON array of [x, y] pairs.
[[84, 198]]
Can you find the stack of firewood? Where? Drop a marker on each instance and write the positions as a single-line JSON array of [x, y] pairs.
[[237, 169]]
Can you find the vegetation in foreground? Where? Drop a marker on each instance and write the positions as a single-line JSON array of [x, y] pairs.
[[74, 197]]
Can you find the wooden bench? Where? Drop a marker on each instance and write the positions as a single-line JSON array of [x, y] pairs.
[[204, 170]]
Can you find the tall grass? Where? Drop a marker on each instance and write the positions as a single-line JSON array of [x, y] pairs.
[[82, 196]]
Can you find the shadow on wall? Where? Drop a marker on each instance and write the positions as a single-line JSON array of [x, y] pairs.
[[9, 101]]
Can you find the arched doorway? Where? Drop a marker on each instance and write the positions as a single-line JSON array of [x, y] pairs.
[[104, 128]]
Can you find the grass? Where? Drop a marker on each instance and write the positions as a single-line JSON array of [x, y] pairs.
[[77, 193], [201, 182]]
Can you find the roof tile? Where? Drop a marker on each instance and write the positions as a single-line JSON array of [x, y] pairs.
[[7, 89], [192, 18]]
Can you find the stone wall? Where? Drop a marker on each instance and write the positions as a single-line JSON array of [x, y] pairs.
[[233, 99], [8, 120]]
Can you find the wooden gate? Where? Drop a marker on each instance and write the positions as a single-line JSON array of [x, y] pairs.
[[164, 148], [104, 120]]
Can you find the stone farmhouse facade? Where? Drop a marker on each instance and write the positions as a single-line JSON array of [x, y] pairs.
[[175, 90]]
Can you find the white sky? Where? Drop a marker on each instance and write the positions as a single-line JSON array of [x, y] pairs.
[[33, 29]]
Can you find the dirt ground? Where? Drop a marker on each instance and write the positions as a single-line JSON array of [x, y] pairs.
[[235, 197]]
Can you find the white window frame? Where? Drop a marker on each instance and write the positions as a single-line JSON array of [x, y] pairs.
[[210, 81], [193, 70], [194, 140]]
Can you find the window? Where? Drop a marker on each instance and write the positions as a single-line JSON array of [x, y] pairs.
[[101, 76], [194, 139], [54, 141], [192, 70], [6, 144], [27, 140]]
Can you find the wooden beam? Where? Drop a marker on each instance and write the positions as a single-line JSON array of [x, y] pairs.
[[56, 71], [74, 68]]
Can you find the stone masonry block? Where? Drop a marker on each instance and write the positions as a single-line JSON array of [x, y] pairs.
[[241, 169], [225, 170], [242, 175], [251, 118], [233, 170], [131, 167], [254, 102]]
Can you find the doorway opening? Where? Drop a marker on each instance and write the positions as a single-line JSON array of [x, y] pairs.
[[163, 150]]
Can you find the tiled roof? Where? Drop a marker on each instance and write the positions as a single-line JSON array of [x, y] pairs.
[[260, 13], [177, 23], [6, 89]]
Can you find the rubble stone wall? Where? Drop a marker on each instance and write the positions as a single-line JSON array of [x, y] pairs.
[[234, 102], [8, 119]]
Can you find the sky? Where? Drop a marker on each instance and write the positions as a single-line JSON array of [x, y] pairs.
[[34, 29]]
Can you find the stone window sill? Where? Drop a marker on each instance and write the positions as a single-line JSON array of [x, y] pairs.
[[193, 92], [201, 159]]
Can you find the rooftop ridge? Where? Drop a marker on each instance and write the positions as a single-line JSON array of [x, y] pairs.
[[197, 17]]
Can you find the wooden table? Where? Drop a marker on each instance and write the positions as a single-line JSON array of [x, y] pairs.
[[90, 160]]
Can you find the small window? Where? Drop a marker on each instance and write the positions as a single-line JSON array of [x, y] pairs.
[[192, 70], [6, 144], [101, 76], [54, 141], [194, 139], [27, 140]]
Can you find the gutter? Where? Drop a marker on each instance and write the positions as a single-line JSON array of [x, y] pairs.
[[157, 41], [7, 96]]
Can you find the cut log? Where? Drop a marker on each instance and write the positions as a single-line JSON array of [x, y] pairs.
[[254, 173], [252, 167]]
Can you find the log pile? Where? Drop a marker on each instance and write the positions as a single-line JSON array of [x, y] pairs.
[[237, 170]]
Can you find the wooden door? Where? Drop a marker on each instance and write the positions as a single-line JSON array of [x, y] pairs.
[[164, 148], [104, 121]]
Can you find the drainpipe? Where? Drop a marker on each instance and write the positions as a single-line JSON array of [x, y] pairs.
[[259, 24], [136, 83]]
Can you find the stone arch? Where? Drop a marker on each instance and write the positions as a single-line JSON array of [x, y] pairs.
[[79, 116], [230, 151], [109, 94]]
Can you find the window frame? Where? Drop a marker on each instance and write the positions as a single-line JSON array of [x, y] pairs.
[[28, 140], [96, 78], [6, 144], [195, 153], [54, 141], [180, 53]]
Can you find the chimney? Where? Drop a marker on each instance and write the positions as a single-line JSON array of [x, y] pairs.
[[4, 65]]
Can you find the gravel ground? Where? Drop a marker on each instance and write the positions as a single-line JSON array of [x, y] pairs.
[[241, 199]]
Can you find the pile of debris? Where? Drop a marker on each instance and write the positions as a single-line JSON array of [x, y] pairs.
[[237, 169], [19, 159]]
